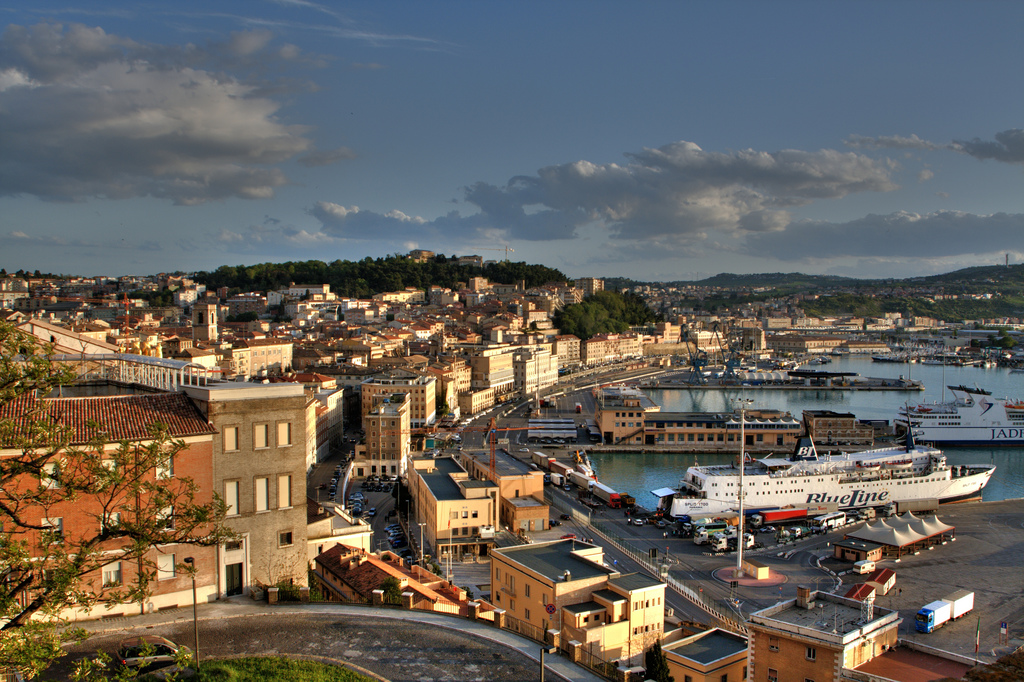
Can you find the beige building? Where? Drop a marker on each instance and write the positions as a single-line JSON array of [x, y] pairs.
[[420, 388], [520, 490], [566, 586], [567, 348], [534, 369], [259, 469], [328, 525], [458, 512], [590, 285], [492, 368], [797, 640], [713, 656], [388, 439], [476, 401]]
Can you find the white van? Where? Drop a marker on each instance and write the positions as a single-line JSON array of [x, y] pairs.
[[863, 567]]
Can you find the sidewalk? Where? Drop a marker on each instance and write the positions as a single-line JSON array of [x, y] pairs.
[[244, 607]]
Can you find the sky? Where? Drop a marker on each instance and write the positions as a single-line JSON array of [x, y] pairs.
[[653, 140]]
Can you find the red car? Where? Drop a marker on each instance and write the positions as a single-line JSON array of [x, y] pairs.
[[569, 536]]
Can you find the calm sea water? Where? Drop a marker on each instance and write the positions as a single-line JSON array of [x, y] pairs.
[[638, 474]]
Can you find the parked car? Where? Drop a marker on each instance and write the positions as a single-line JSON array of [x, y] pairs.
[[554, 523], [149, 652], [569, 536], [637, 522], [565, 517], [372, 511]]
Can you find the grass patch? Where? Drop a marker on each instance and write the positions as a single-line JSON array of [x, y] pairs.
[[269, 669]]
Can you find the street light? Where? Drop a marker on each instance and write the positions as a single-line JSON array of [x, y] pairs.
[[743, 403], [195, 613], [545, 650]]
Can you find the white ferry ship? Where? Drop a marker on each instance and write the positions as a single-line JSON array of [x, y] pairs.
[[972, 417], [851, 480]]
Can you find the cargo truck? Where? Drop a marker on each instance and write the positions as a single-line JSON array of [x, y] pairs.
[[541, 460], [606, 495], [579, 408], [903, 506], [940, 612], [774, 516], [557, 479], [560, 467], [580, 480]]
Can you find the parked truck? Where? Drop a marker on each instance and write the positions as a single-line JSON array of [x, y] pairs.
[[940, 612], [557, 479], [606, 495], [702, 534], [560, 468], [541, 460], [774, 516], [903, 506], [580, 480]]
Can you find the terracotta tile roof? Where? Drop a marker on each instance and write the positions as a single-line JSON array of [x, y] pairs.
[[128, 417]]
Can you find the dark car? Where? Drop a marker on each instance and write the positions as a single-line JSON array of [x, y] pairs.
[[149, 652], [566, 517], [554, 523]]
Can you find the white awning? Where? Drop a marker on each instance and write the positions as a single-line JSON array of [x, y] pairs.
[[663, 492]]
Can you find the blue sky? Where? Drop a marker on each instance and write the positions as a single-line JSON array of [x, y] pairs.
[[652, 140]]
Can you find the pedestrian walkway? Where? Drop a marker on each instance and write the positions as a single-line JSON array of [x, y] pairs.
[[243, 607]]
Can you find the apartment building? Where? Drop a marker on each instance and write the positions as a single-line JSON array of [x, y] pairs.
[[712, 656], [818, 636], [492, 368], [259, 469], [567, 348], [566, 586], [458, 513], [534, 369], [421, 389], [388, 439], [122, 418], [520, 490], [590, 285]]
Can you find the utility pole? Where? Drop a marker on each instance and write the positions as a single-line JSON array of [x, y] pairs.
[[744, 402]]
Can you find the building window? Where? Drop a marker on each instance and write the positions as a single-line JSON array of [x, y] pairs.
[[51, 475], [110, 521], [166, 517], [284, 492], [526, 614], [54, 526], [465, 514], [284, 538], [165, 467], [526, 589], [262, 494], [234, 546], [165, 567], [261, 435], [773, 675], [284, 434], [812, 654], [773, 644], [230, 438], [725, 677], [231, 497], [687, 678], [476, 513], [112, 574]]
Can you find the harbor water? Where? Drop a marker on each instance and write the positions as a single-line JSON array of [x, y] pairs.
[[640, 473]]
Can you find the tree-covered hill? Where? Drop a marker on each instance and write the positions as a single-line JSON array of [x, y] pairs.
[[604, 312], [371, 276]]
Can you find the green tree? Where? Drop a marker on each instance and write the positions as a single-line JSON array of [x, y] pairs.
[[47, 571], [392, 590], [657, 664]]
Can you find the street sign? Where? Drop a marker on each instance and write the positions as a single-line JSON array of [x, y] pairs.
[[550, 608]]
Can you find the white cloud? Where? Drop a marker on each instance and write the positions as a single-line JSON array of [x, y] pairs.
[[670, 196], [892, 142], [87, 114], [925, 175]]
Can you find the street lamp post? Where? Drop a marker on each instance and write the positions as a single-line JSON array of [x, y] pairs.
[[743, 402], [195, 612], [421, 541], [545, 650]]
